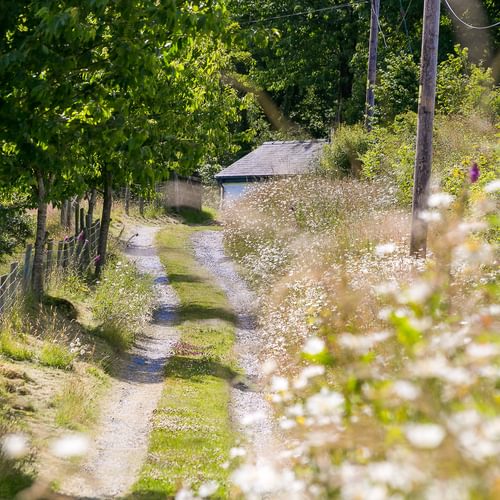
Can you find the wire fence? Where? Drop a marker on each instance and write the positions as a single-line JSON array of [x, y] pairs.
[[76, 252]]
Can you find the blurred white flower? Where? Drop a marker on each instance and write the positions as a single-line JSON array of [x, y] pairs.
[[252, 418], [482, 351], [385, 249], [425, 436], [237, 452], [386, 288], [417, 293], [257, 480], [208, 488], [325, 403], [429, 216], [184, 494], [269, 366], [472, 253], [362, 343], [313, 346], [406, 390], [279, 384], [14, 446], [287, 423], [440, 200], [71, 445], [492, 186]]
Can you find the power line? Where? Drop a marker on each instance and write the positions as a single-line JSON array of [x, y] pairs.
[[403, 21], [467, 24], [380, 27], [295, 14]]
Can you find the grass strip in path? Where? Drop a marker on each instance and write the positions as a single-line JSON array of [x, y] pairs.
[[192, 431]]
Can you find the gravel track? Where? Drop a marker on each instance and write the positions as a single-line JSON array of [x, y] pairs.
[[119, 449], [247, 400]]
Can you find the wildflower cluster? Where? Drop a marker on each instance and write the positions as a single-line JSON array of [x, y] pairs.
[[395, 392]]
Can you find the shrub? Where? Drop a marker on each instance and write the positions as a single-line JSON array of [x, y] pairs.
[[397, 90], [342, 156], [463, 87], [122, 302]]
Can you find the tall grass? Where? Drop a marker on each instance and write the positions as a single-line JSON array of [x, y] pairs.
[[122, 303], [385, 367]]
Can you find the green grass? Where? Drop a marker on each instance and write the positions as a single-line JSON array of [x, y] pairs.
[[198, 217], [192, 431], [14, 348], [77, 404], [55, 356]]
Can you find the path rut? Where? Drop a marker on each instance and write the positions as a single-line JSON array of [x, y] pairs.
[[120, 446], [251, 412]]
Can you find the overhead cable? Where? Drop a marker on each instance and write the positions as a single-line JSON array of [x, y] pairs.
[[304, 13], [467, 24]]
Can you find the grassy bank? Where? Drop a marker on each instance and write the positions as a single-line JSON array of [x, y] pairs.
[[192, 433], [56, 361]]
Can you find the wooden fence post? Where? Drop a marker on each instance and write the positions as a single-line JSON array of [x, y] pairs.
[[82, 219], [60, 245], [77, 216], [50, 256], [27, 266], [65, 258]]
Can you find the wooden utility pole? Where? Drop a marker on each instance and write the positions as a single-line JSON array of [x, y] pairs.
[[426, 104], [372, 64]]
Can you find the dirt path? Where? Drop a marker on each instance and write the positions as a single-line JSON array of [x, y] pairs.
[[120, 446], [251, 412]]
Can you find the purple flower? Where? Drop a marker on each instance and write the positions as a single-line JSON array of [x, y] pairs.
[[97, 259], [474, 173], [81, 236]]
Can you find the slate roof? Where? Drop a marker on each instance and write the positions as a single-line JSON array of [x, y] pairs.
[[275, 158]]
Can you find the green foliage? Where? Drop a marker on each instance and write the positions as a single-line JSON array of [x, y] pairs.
[[15, 228], [342, 156], [458, 141], [464, 87], [397, 90]]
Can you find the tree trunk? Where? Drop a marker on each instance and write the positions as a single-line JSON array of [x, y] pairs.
[[105, 222], [41, 225], [127, 200], [92, 201]]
